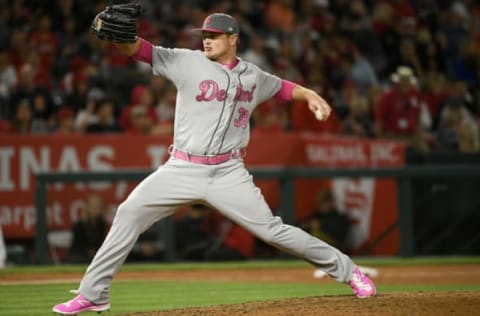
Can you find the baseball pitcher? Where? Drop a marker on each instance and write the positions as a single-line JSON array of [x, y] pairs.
[[217, 92]]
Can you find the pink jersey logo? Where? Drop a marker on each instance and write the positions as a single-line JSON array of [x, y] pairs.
[[242, 120], [209, 90], [244, 95]]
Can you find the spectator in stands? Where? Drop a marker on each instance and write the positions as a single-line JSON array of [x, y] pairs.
[[158, 86], [302, 121], [86, 115], [435, 93], [194, 232], [89, 231], [285, 68], [140, 95], [165, 110], [359, 70], [37, 95], [106, 121], [307, 52], [388, 30], [65, 121], [398, 111], [256, 53], [409, 56], [454, 32], [78, 98], [78, 66], [115, 69], [43, 113], [459, 89], [232, 242], [342, 97], [430, 51], [279, 15], [466, 66], [45, 41], [150, 245], [6, 29], [328, 223], [359, 120], [42, 75], [8, 75], [206, 235], [400, 46], [270, 117], [337, 66], [21, 13], [22, 122], [69, 41], [141, 122], [18, 47], [458, 130], [358, 28]]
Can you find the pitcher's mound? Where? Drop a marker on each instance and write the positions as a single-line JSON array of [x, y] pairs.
[[420, 303]]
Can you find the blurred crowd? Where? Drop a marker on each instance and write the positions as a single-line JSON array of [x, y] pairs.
[[406, 70]]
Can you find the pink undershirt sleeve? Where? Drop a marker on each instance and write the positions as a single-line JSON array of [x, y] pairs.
[[144, 53], [285, 92]]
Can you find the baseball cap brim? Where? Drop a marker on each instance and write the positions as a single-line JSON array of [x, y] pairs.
[[213, 30]]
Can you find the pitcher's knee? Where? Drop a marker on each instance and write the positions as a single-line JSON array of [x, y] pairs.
[[128, 211], [139, 216], [271, 232], [125, 209]]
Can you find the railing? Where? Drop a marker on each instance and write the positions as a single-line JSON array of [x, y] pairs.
[[286, 176]]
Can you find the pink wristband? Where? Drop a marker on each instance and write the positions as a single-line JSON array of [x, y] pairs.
[[144, 52], [285, 92]]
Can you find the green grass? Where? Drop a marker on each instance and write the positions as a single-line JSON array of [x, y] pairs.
[[254, 264], [138, 296]]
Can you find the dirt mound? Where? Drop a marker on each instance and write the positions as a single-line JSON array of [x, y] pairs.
[[421, 303]]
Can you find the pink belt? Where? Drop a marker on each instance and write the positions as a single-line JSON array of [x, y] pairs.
[[207, 160]]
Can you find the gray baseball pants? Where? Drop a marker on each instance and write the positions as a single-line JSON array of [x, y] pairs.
[[229, 188]]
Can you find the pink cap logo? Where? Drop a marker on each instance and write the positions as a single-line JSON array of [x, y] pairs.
[[207, 21]]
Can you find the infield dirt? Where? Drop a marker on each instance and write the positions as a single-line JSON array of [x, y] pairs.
[[419, 303]]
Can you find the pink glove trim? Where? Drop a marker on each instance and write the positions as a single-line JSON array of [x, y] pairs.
[[144, 53], [285, 92]]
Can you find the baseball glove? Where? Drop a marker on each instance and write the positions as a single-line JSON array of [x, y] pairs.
[[117, 23]]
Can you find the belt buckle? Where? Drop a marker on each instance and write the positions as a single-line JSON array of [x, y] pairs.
[[209, 158]]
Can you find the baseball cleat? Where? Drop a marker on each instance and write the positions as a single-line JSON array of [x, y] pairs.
[[79, 305], [361, 285]]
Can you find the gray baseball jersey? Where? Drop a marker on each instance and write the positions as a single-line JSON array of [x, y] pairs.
[[213, 108], [214, 103]]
